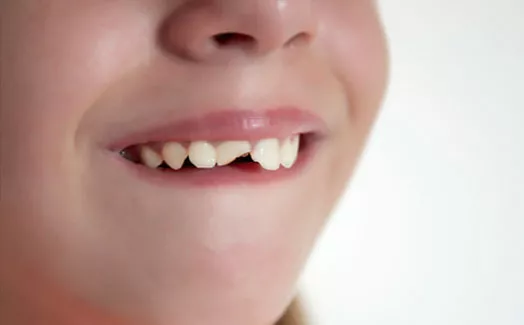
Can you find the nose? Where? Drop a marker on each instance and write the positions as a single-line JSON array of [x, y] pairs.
[[215, 31]]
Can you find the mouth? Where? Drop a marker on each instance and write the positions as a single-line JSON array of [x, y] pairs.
[[224, 148]]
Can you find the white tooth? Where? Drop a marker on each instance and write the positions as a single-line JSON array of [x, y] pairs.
[[228, 151], [267, 154], [174, 154], [202, 154], [150, 157], [289, 151]]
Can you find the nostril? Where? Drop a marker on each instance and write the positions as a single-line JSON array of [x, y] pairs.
[[227, 40]]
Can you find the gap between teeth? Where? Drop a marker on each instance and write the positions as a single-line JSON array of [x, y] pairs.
[[271, 154]]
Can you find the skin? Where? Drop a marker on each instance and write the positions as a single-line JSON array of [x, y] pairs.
[[82, 242]]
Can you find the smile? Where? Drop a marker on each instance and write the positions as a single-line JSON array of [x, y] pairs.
[[270, 154], [225, 147]]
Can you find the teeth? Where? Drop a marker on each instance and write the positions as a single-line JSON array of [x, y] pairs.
[[150, 157], [228, 151], [202, 154], [174, 155], [267, 154], [289, 151]]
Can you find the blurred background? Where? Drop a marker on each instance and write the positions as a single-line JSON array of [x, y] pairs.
[[431, 230]]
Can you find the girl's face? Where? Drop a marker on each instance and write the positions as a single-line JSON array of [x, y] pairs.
[[88, 85]]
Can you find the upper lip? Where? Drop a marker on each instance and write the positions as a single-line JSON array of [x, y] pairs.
[[229, 124]]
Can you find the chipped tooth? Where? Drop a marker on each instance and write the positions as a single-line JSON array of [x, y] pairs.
[[228, 151], [202, 154], [150, 157], [267, 154], [174, 154], [289, 151]]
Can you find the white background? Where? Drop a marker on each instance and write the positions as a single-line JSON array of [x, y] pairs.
[[431, 230]]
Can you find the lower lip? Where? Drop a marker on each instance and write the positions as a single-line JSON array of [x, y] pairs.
[[241, 174]]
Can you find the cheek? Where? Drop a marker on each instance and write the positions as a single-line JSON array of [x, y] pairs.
[[53, 68], [52, 71], [356, 47], [352, 40], [56, 66]]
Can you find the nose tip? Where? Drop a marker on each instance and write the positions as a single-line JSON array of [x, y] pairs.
[[220, 30]]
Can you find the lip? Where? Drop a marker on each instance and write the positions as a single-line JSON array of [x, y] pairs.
[[218, 176], [228, 125], [223, 126]]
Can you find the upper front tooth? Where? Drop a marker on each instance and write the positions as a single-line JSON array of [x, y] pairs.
[[228, 151], [174, 154], [289, 151], [150, 157], [267, 154], [202, 154]]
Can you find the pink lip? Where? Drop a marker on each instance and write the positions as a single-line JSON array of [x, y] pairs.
[[229, 125], [222, 126], [251, 174]]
